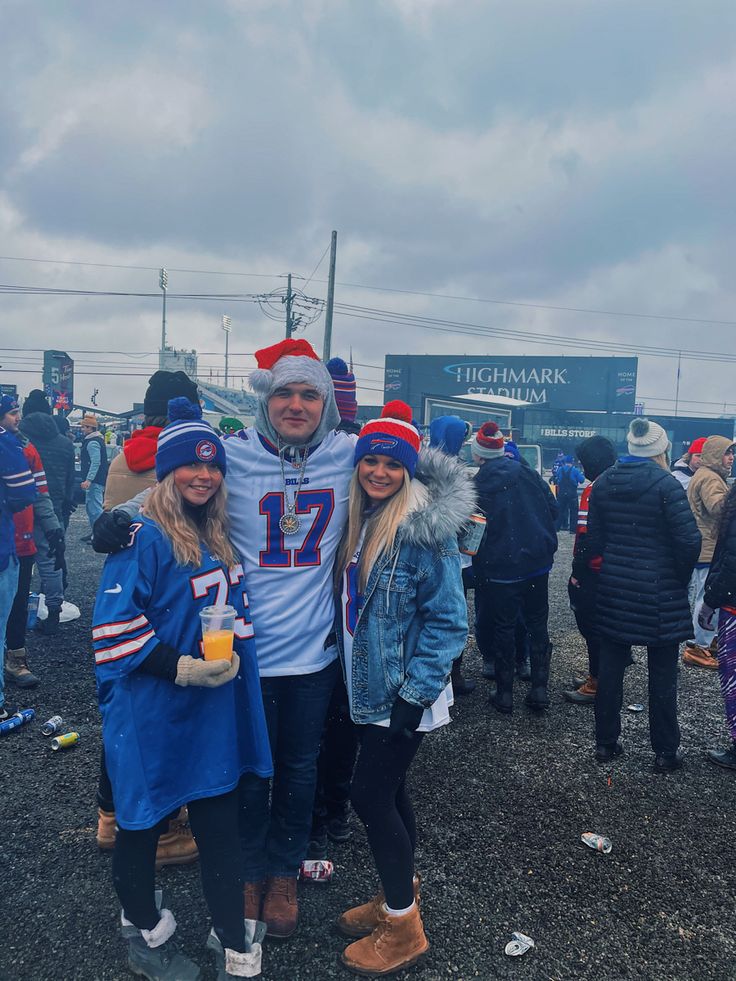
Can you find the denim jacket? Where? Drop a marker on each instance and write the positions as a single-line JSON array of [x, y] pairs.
[[413, 620]]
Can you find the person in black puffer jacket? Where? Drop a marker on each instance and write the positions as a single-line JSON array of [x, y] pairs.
[[56, 452], [641, 525], [512, 566], [720, 598]]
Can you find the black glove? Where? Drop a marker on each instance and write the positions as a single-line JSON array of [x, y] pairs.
[[57, 545], [111, 532], [405, 719], [67, 509]]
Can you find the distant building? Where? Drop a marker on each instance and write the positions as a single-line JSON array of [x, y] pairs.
[[170, 359]]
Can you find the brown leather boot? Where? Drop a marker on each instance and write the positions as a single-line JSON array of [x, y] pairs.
[[584, 694], [105, 829], [396, 943], [280, 908], [253, 893], [17, 670], [360, 921], [698, 656], [177, 846]]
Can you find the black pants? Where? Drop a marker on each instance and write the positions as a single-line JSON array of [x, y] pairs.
[[214, 823], [582, 604], [567, 518], [499, 606], [15, 632], [664, 731], [336, 762], [380, 800], [104, 787]]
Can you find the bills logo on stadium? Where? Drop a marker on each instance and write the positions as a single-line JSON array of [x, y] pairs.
[[206, 450], [383, 442]]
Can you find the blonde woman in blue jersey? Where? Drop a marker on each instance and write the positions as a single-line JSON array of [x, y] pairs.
[[402, 622], [178, 729]]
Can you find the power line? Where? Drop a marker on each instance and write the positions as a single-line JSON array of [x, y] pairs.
[[630, 314]]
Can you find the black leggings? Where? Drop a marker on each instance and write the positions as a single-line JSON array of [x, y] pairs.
[[214, 823], [380, 800], [15, 632]]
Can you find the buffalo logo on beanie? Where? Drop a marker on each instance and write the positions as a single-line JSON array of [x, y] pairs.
[[646, 438], [488, 442], [392, 435], [186, 439]]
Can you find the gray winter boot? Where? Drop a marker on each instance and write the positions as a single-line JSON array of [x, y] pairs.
[[17, 670], [152, 953], [232, 964]]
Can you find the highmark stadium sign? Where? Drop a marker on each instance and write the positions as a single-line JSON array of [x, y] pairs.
[[607, 384]]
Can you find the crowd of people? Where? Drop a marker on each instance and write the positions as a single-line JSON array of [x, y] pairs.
[[344, 554]]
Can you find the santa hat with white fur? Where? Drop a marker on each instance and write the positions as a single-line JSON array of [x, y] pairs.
[[289, 362]]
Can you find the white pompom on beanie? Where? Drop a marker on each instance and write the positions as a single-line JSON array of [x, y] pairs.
[[646, 438]]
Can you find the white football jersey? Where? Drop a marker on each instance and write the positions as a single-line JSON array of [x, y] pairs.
[[289, 577]]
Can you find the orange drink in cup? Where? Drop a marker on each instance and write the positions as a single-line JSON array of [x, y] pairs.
[[218, 626]]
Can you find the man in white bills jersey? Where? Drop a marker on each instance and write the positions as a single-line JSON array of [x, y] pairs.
[[287, 486]]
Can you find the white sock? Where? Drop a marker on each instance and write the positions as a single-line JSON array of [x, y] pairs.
[[398, 912]]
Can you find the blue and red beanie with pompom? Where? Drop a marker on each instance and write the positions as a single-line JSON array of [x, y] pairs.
[[187, 440], [392, 435]]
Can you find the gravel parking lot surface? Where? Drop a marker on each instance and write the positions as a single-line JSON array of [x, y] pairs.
[[501, 804]]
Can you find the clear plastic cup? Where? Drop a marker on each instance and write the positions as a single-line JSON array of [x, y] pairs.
[[218, 627]]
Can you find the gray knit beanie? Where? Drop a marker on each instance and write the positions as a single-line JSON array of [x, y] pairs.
[[647, 438]]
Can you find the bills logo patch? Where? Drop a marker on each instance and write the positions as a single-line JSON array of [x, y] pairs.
[[206, 450], [383, 443]]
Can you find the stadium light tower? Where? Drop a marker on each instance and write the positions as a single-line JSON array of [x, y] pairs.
[[163, 282], [227, 327]]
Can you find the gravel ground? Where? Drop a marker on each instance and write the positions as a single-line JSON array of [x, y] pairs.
[[501, 804]]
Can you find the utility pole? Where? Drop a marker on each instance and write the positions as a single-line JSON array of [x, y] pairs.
[[226, 326], [287, 300], [677, 391], [330, 299], [163, 282]]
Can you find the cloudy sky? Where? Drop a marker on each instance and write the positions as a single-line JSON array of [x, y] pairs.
[[575, 155]]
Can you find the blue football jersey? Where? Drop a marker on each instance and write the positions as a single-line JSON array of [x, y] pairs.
[[166, 744]]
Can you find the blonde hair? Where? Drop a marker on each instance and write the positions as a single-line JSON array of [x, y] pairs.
[[662, 460], [165, 506], [380, 528]]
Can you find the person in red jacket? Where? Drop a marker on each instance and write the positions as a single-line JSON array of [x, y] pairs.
[[36, 521], [596, 455]]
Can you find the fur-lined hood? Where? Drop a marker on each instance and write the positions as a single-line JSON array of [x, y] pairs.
[[443, 498]]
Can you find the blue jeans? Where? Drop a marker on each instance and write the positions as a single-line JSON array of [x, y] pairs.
[[8, 589], [52, 579], [95, 495], [274, 838]]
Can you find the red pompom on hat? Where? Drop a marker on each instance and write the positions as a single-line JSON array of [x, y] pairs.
[[392, 435], [488, 442], [286, 362]]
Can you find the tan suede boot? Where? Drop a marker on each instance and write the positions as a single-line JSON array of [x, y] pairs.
[[17, 670], [177, 846], [360, 921], [105, 829], [396, 943]]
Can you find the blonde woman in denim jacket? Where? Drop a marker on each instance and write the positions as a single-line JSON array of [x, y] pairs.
[[402, 620]]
